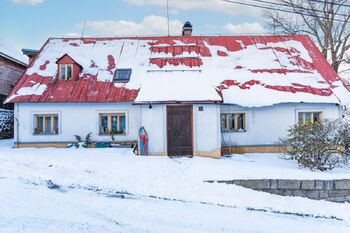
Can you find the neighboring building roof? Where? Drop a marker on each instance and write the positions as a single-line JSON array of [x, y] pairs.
[[245, 70], [9, 52], [30, 52]]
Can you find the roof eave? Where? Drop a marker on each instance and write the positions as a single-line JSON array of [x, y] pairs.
[[179, 102], [13, 59]]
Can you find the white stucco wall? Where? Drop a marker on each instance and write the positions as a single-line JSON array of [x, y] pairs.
[[82, 118], [206, 127], [74, 119], [154, 121], [265, 125]]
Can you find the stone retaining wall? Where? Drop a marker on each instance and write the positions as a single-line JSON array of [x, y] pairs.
[[329, 190]]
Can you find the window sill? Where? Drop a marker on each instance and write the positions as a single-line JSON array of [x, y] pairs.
[[121, 81], [45, 134], [109, 135], [234, 131]]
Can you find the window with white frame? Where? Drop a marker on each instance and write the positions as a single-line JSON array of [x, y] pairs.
[[233, 122], [46, 124], [313, 117], [112, 123], [66, 71]]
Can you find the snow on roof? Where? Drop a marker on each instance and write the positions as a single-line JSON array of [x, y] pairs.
[[249, 71], [11, 53]]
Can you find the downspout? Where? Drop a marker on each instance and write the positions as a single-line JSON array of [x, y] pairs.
[[341, 111], [17, 124], [218, 128], [140, 125]]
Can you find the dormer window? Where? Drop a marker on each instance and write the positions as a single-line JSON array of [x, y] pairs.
[[122, 75], [68, 68], [66, 71]]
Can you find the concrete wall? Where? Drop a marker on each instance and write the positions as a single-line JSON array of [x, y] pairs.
[[265, 125]]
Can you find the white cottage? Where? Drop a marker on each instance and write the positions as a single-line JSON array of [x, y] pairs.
[[194, 95]]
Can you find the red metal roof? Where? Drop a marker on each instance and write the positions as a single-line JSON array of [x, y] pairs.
[[99, 59]]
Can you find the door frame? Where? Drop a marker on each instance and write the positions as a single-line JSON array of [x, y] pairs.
[[191, 123]]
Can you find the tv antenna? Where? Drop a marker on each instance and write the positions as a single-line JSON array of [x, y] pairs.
[[82, 34], [167, 15]]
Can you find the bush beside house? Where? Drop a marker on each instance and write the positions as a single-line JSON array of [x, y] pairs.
[[322, 145]]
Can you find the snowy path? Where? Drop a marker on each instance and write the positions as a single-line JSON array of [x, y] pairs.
[[34, 208], [110, 190]]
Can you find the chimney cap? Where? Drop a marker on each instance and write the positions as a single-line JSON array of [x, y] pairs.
[[187, 25], [187, 29]]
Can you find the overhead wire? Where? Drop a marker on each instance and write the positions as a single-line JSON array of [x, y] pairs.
[[332, 3], [296, 7], [282, 10]]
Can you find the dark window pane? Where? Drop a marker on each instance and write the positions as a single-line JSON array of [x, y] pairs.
[[122, 124], [300, 118], [39, 128], [122, 75], [104, 124], [307, 116], [316, 116], [69, 72], [48, 124], [115, 124], [63, 72], [56, 124], [223, 122], [231, 120], [240, 121]]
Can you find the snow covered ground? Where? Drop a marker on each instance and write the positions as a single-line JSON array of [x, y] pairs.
[[112, 190]]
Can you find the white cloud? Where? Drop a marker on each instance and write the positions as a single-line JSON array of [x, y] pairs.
[[245, 28], [72, 34], [207, 5], [151, 25], [28, 2]]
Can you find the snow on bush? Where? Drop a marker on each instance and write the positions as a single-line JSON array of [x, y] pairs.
[[320, 146], [6, 124]]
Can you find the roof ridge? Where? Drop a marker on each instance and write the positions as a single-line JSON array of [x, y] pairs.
[[171, 36]]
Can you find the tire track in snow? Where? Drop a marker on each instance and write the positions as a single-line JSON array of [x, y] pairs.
[[110, 193]]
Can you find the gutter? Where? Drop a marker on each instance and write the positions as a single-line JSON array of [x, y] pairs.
[[13, 59], [178, 102]]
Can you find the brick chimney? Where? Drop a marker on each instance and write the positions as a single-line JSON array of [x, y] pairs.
[[187, 29]]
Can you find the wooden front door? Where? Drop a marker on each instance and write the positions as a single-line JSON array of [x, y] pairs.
[[179, 130]]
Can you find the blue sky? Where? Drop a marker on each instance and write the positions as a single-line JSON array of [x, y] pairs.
[[28, 23]]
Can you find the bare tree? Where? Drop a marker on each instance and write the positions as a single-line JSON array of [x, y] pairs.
[[326, 21]]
